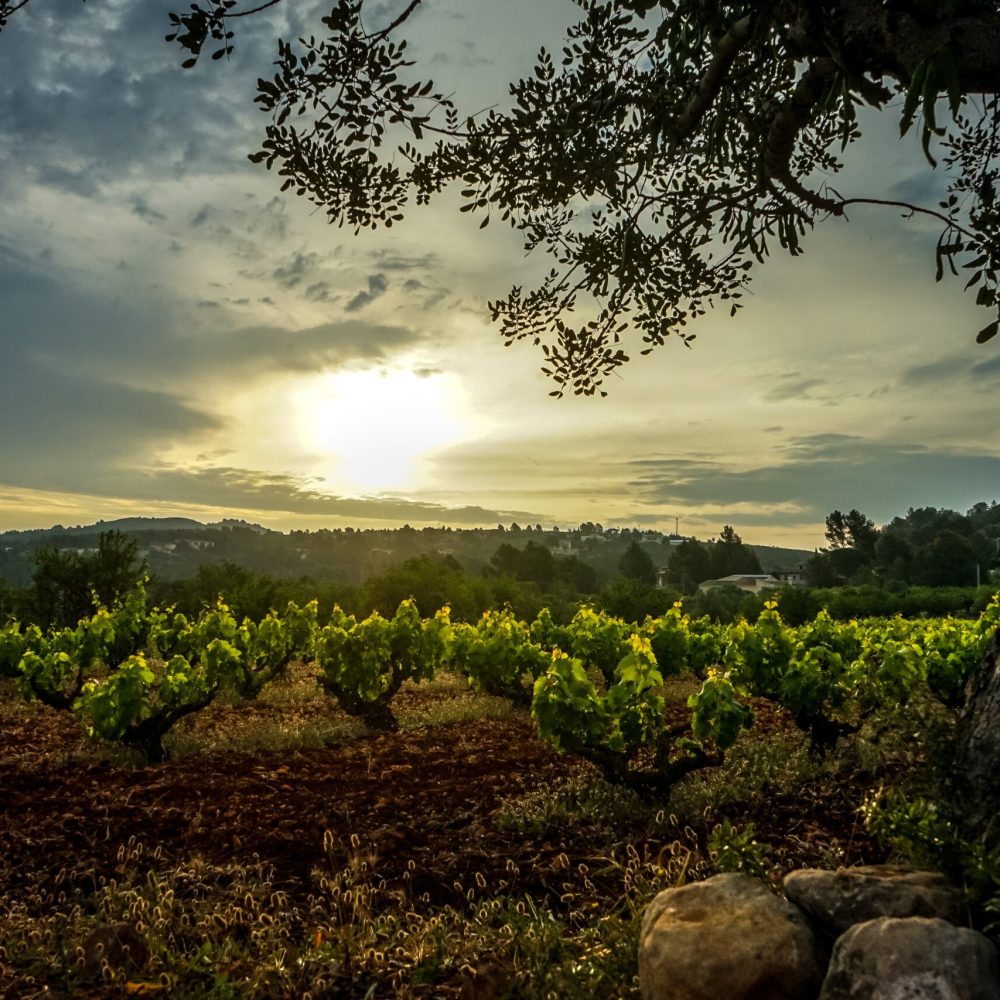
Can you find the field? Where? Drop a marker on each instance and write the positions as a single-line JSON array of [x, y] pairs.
[[285, 851]]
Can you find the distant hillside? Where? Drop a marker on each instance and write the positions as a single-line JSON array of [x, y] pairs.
[[774, 557], [175, 547], [130, 526]]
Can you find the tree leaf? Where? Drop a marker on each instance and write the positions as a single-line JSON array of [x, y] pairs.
[[988, 332]]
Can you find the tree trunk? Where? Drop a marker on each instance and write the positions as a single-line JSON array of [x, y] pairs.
[[378, 715], [976, 775], [375, 714]]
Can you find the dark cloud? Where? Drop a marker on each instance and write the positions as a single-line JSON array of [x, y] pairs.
[[83, 182], [84, 85], [319, 291], [224, 486], [793, 386], [465, 57], [941, 370], [67, 430], [391, 261], [263, 349], [817, 473], [949, 369], [295, 270], [377, 285], [141, 208], [155, 343], [925, 188], [434, 298], [987, 369]]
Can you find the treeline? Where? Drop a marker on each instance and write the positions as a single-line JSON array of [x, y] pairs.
[[67, 585], [798, 605], [926, 547], [174, 550], [693, 562], [927, 562]]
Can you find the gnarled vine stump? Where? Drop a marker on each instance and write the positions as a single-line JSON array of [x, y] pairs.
[[977, 749]]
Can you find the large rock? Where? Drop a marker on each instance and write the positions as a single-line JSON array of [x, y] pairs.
[[914, 958], [727, 938], [838, 900]]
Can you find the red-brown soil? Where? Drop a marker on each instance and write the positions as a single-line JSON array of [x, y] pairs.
[[428, 795]]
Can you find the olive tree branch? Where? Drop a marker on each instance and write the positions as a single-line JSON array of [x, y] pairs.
[[726, 49]]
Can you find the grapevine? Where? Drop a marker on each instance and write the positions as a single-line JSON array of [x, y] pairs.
[[364, 664]]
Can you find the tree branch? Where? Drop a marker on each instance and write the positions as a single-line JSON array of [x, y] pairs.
[[725, 51], [389, 28], [6, 11], [912, 209], [794, 115], [247, 13]]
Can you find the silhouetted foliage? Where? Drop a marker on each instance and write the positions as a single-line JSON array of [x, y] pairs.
[[927, 547], [730, 555], [689, 565], [68, 584], [637, 565]]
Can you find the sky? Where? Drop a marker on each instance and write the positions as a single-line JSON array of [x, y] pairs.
[[179, 337]]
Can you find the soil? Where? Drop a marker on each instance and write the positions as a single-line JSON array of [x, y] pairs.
[[428, 795]]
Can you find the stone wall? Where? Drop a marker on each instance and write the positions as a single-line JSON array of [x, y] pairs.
[[880, 932]]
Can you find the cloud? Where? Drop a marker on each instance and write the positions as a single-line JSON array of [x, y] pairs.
[[290, 274], [466, 58], [923, 188], [141, 208], [272, 349], [817, 473], [154, 343], [942, 370], [66, 430], [987, 369], [319, 291], [394, 261], [377, 285], [247, 489], [948, 369], [81, 182], [792, 386]]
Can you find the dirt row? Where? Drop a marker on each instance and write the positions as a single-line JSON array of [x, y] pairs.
[[425, 800]]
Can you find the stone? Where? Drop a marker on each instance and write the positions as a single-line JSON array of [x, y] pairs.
[[912, 958], [839, 899], [727, 938]]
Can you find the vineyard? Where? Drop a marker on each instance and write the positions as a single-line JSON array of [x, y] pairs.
[[566, 768]]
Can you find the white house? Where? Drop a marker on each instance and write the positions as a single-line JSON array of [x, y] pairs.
[[751, 583]]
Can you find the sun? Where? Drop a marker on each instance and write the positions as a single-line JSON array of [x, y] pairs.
[[379, 425]]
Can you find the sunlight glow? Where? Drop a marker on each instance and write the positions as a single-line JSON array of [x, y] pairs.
[[379, 425]]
